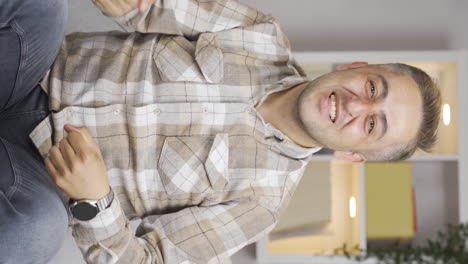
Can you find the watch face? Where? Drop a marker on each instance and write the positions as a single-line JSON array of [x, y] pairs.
[[84, 211]]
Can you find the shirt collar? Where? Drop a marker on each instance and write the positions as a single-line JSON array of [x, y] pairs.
[[282, 142], [287, 146]]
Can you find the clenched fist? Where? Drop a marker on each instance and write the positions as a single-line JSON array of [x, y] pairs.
[[77, 167], [122, 7]]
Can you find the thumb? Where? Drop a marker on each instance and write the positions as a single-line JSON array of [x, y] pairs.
[[69, 128], [143, 5]]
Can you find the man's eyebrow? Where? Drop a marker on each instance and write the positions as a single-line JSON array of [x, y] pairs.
[[382, 114], [384, 85], [384, 125]]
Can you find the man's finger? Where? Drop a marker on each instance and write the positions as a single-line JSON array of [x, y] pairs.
[[77, 142], [57, 160], [143, 5], [50, 168], [116, 7], [56, 178], [79, 138], [67, 152]]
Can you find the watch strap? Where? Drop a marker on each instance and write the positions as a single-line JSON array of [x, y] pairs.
[[105, 202]]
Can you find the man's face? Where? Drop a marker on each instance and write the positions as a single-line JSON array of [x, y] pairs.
[[363, 110]]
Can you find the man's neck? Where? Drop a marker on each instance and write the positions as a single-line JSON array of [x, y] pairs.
[[280, 110]]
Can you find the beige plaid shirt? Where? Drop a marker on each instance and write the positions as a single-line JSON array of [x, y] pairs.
[[173, 111]]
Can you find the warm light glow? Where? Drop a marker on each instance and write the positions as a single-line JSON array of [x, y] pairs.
[[446, 114], [352, 207]]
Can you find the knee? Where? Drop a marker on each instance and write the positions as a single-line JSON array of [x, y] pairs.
[[44, 7], [52, 17], [49, 17], [34, 235]]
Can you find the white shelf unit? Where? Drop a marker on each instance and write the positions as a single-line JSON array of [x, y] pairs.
[[460, 59], [428, 158]]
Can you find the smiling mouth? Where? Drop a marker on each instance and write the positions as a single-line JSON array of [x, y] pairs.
[[332, 107]]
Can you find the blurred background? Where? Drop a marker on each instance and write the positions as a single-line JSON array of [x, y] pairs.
[[336, 25]]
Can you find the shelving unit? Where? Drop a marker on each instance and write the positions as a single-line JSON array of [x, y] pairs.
[[450, 68]]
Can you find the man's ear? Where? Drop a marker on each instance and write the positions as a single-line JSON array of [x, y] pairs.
[[350, 156], [355, 64]]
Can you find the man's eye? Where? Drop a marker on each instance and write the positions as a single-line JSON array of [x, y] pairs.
[[372, 88], [371, 125]]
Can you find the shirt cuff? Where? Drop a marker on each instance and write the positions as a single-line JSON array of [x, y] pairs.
[[106, 224], [121, 19], [125, 20]]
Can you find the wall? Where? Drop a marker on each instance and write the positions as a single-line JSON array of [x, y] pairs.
[[436, 187], [371, 24], [343, 24]]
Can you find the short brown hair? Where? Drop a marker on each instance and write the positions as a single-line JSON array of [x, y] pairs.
[[431, 100]]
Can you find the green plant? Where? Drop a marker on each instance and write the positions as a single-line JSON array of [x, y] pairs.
[[449, 247]]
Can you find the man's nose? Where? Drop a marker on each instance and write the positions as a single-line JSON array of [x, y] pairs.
[[357, 107]]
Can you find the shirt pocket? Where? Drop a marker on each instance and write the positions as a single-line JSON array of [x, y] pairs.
[[180, 60], [196, 164]]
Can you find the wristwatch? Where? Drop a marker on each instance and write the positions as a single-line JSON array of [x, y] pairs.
[[86, 210]]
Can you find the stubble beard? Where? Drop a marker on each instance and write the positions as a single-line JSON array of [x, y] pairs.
[[311, 127]]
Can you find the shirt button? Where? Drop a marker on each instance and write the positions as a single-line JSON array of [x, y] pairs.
[[116, 111], [205, 110], [248, 110], [70, 110], [157, 111]]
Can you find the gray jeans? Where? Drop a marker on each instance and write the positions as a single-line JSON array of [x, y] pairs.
[[33, 218]]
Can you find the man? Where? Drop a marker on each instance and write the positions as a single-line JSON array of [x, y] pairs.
[[200, 124]]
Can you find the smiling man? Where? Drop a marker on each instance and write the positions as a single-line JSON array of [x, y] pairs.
[[200, 124], [363, 112]]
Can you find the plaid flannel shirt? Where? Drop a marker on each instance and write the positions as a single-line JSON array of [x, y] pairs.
[[172, 107]]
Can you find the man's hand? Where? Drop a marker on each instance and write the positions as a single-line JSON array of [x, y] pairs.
[[355, 64], [122, 7], [77, 167]]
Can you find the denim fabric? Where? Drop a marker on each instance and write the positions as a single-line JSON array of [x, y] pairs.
[[19, 120], [33, 217], [37, 26], [33, 221]]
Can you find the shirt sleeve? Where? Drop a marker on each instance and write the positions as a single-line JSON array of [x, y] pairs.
[[188, 18], [192, 235]]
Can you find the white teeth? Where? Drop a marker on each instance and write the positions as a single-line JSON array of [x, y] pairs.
[[333, 107]]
